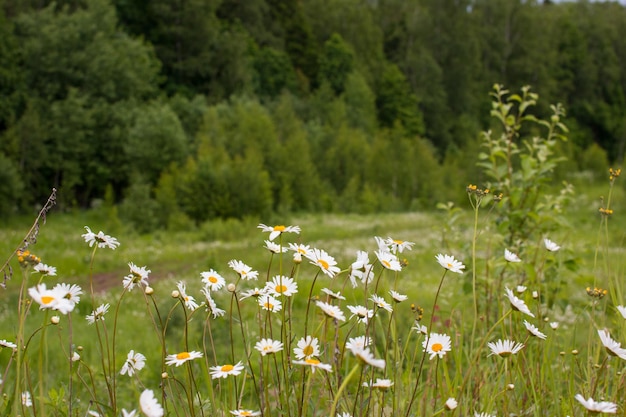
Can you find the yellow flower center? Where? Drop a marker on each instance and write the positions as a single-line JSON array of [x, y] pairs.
[[183, 355], [308, 350], [450, 265], [280, 288], [227, 368], [212, 280], [398, 242], [323, 263], [269, 306], [279, 228], [437, 347], [387, 264], [312, 361], [245, 413], [46, 299]]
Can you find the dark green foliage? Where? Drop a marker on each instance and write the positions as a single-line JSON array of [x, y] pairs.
[[336, 63], [396, 103], [274, 72]]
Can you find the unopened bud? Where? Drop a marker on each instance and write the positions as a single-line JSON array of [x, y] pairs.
[[149, 290], [55, 319], [164, 375], [231, 287], [175, 294]]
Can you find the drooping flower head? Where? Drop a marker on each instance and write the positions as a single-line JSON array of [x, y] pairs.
[[275, 247], [550, 245], [366, 357], [361, 269], [612, 347], [188, 300], [448, 262], [276, 231], [504, 348], [533, 330], [604, 407], [331, 311], [381, 384], [149, 404], [314, 364], [137, 276], [398, 246], [45, 270], [244, 271], [381, 303], [511, 257], [135, 361], [362, 313], [100, 239], [98, 313], [517, 304]]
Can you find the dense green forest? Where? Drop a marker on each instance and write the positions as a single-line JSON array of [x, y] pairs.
[[179, 111]]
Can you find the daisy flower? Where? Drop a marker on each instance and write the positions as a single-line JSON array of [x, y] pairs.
[[210, 303], [135, 361], [381, 303], [244, 271], [276, 231], [448, 262], [269, 303], [420, 328], [398, 245], [189, 301], [389, 260], [257, 292], [397, 297], [597, 407], [299, 251], [333, 295], [245, 413], [331, 310], [518, 304], [100, 239], [98, 313], [622, 311], [511, 257], [366, 357], [267, 346], [612, 347], [356, 343], [275, 247], [213, 280], [45, 270], [46, 298], [381, 243], [149, 405], [137, 276], [381, 384], [534, 330], [6, 344], [314, 364], [451, 404], [550, 245], [326, 262], [26, 399], [223, 371], [182, 357], [307, 347], [437, 344], [71, 293], [361, 269], [504, 348], [362, 313], [282, 285]]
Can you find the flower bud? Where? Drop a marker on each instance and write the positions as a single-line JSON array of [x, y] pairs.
[[231, 287], [175, 294], [55, 319], [164, 375], [149, 290]]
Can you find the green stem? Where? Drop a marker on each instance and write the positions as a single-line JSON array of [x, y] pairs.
[[343, 387]]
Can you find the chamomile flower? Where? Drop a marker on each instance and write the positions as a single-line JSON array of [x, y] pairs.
[[274, 247], [245, 413], [398, 246], [397, 297], [149, 404], [333, 295], [331, 311], [46, 298], [282, 285], [451, 404], [210, 304], [224, 371], [314, 364], [213, 280], [382, 244], [307, 347], [362, 313], [381, 303], [100, 239], [612, 347], [361, 269], [359, 342], [437, 344], [504, 348], [550, 245], [11, 345], [511, 257], [45, 270], [604, 407], [276, 231], [533, 330], [135, 361], [268, 346], [98, 313], [517, 304], [69, 292], [244, 271], [327, 263], [300, 250], [381, 384], [622, 311], [420, 328], [26, 399], [182, 357], [366, 357], [137, 276], [256, 292], [188, 300], [448, 262], [270, 303], [388, 260]]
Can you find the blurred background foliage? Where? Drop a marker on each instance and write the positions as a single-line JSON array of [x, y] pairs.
[[176, 113]]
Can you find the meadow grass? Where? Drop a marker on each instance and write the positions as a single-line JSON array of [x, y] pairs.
[[435, 344]]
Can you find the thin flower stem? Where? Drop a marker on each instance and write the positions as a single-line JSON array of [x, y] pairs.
[[342, 388]]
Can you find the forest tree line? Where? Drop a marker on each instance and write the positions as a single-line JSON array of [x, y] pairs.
[[226, 108]]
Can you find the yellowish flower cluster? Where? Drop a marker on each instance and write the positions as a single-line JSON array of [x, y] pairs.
[[596, 292], [25, 258], [605, 212], [614, 173]]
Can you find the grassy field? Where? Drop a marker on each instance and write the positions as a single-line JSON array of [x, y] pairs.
[[591, 255]]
